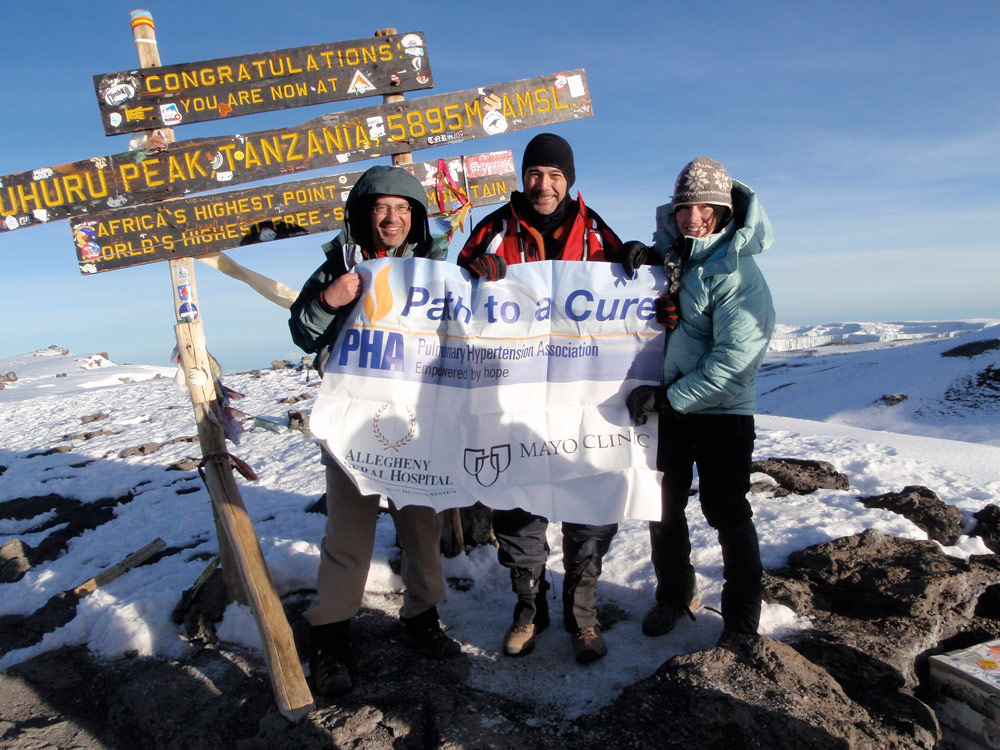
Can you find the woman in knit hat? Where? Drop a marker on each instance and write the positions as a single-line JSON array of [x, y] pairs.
[[720, 310]]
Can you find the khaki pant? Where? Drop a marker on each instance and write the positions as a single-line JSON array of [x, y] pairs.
[[347, 552]]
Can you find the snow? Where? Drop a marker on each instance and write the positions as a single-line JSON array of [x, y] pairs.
[[821, 402]]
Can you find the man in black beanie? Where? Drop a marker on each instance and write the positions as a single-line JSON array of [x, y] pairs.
[[545, 223]]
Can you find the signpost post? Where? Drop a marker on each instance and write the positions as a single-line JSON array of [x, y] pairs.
[[248, 578]]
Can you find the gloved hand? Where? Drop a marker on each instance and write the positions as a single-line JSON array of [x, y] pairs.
[[489, 266], [667, 313], [632, 254], [644, 400]]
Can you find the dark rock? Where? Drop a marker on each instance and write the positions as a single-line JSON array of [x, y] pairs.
[[988, 527], [281, 364], [14, 561], [89, 435], [889, 600], [185, 464], [801, 476], [140, 450], [295, 399], [891, 399], [764, 695], [93, 417], [51, 451], [202, 606], [10, 377], [298, 420], [973, 348], [942, 522]]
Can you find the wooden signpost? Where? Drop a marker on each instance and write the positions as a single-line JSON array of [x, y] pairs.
[[171, 95], [189, 227], [335, 139]]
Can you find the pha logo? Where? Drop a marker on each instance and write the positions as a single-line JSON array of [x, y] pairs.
[[372, 348], [487, 467]]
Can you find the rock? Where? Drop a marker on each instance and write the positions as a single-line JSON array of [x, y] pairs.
[[14, 561], [800, 476], [93, 417], [891, 399], [281, 364], [10, 377], [201, 606], [140, 450], [988, 527], [942, 522], [973, 348], [763, 695], [298, 420], [886, 601]]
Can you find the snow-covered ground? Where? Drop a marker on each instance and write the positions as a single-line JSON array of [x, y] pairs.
[[823, 403]]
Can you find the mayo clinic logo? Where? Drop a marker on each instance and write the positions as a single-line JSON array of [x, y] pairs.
[[487, 467]]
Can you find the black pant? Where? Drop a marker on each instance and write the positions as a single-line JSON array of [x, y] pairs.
[[721, 446], [523, 545]]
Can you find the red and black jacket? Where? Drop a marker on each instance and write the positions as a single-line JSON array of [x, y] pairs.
[[508, 235]]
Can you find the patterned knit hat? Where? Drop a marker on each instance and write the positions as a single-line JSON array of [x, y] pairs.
[[703, 181], [550, 150]]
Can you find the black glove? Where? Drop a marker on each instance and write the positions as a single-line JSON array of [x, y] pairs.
[[490, 267], [667, 314], [633, 254], [644, 400]]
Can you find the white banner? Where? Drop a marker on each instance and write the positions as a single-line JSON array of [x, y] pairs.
[[442, 391]]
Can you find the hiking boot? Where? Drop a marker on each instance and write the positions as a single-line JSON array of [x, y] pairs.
[[330, 675], [662, 618], [588, 645], [738, 642], [330, 657], [519, 640], [424, 635]]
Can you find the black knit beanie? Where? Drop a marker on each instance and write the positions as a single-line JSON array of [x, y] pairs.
[[550, 150]]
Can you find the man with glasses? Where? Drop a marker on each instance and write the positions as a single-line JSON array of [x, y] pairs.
[[385, 216]]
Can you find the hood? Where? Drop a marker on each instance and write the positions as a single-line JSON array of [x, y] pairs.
[[748, 233], [382, 180]]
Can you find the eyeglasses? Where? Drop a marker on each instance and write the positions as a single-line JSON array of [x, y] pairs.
[[380, 209]]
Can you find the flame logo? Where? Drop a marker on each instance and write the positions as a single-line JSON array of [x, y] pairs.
[[378, 302]]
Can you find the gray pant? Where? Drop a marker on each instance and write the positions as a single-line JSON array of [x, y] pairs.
[[347, 552]]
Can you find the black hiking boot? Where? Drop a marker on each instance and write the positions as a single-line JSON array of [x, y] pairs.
[[662, 618], [424, 635], [330, 659]]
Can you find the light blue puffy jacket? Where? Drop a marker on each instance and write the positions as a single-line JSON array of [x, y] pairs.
[[726, 314]]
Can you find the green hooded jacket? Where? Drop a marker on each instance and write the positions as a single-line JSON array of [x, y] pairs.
[[312, 323], [726, 314]]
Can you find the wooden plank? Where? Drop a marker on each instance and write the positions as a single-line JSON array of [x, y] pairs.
[[171, 95], [185, 167], [127, 563], [188, 227]]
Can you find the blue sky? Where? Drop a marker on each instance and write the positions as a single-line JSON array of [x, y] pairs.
[[870, 131]]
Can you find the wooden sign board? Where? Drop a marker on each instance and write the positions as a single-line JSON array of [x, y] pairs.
[[187, 227], [172, 95], [184, 167]]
